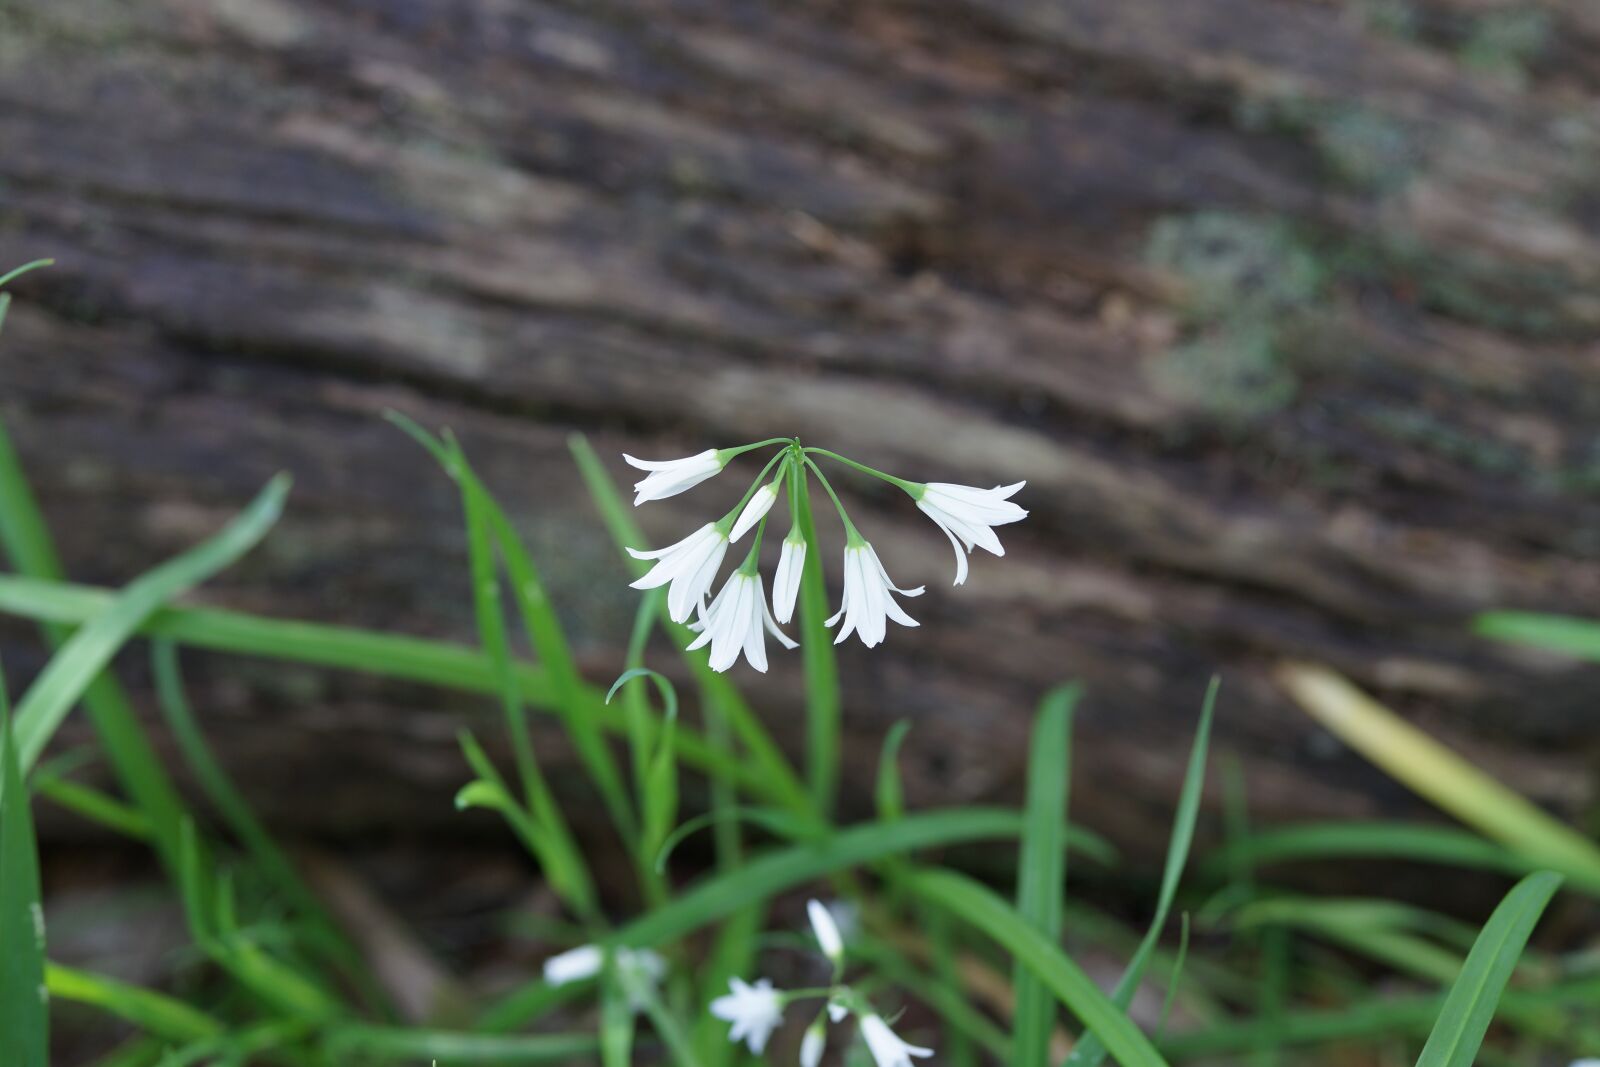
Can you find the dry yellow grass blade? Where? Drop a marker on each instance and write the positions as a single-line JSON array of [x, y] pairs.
[[1439, 775]]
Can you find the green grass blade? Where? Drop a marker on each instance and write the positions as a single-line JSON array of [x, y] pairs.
[[1317, 842], [11, 275], [718, 690], [230, 803], [88, 651], [979, 907], [439, 663], [24, 1013], [155, 1013], [823, 701], [25, 540], [1091, 1050], [1470, 1007], [93, 805], [1042, 868], [389, 1043], [889, 794], [1554, 633]]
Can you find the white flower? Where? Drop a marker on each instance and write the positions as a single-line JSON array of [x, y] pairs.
[[827, 931], [887, 1049], [754, 1010], [669, 477], [690, 565], [867, 602], [753, 512], [813, 1044], [786, 580], [1585, 1063], [967, 516], [585, 961], [738, 620]]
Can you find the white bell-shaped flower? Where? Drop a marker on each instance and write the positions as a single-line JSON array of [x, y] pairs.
[[761, 502], [669, 477], [887, 1049], [968, 515], [827, 931], [786, 579], [690, 566], [754, 1010], [738, 621], [868, 603], [814, 1043]]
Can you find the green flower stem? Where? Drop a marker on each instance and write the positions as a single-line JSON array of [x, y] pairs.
[[853, 536], [751, 564], [724, 455], [916, 489]]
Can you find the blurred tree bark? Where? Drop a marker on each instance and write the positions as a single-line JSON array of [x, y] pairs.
[[1286, 310]]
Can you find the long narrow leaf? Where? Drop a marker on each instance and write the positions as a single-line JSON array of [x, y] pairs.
[[978, 906], [823, 703], [1042, 867], [1471, 1005], [86, 654], [24, 1016], [1091, 1050], [1431, 770], [439, 663]]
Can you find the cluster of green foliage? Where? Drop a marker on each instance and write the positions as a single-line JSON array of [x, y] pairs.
[[286, 985]]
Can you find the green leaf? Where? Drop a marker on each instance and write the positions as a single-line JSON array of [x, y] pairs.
[[889, 794], [439, 663], [1554, 633], [88, 651], [155, 1013], [1318, 842], [979, 907], [229, 802], [616, 1019], [1091, 1051], [389, 1043], [93, 805], [24, 1013], [1470, 1007], [823, 703], [1042, 867]]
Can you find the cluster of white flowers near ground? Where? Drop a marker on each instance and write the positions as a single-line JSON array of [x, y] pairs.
[[738, 619], [755, 1011]]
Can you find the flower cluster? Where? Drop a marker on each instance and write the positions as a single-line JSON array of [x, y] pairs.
[[755, 1011], [739, 618]]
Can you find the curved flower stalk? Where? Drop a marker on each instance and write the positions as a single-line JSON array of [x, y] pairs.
[[755, 1011], [733, 623]]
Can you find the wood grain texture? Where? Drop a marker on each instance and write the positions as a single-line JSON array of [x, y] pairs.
[[1285, 310]]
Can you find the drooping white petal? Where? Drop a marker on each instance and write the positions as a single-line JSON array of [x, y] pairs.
[[754, 1010], [574, 965], [669, 477], [827, 931], [813, 1044], [690, 566], [968, 515], [737, 621], [786, 580], [760, 503], [868, 603], [887, 1049]]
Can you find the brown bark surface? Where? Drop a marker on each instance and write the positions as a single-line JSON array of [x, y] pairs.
[[1286, 310]]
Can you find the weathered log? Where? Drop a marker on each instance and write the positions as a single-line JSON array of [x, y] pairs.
[[1285, 311]]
